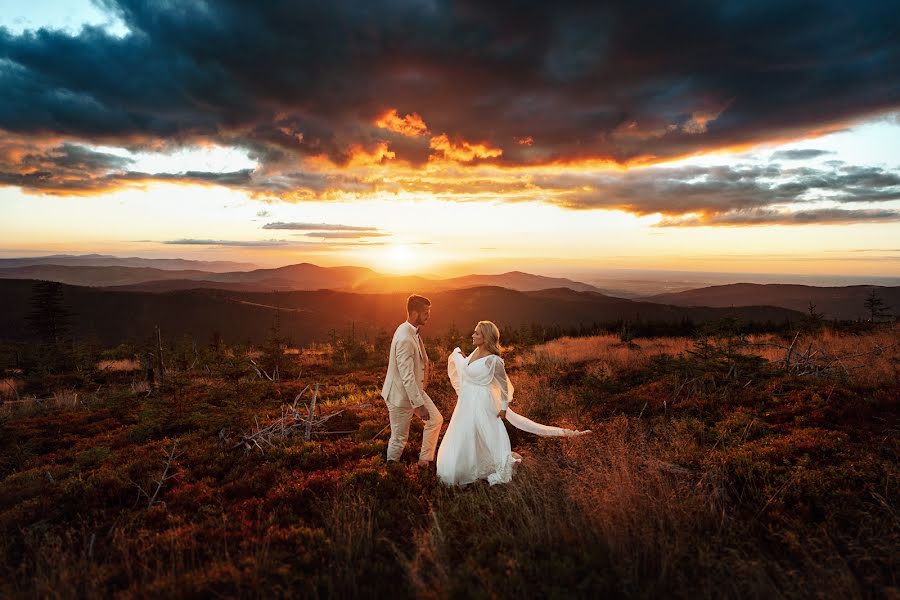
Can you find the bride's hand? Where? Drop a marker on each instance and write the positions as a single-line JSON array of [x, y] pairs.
[[501, 414]]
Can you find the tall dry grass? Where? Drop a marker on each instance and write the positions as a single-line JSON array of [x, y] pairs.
[[610, 515], [869, 358], [119, 365], [609, 350], [350, 527], [29, 404], [598, 515], [11, 388]]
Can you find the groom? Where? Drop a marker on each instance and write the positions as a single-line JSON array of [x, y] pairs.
[[404, 385]]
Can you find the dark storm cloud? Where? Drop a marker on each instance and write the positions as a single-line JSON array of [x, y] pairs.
[[728, 190], [803, 154], [620, 80], [71, 156], [73, 169], [230, 178], [833, 216]]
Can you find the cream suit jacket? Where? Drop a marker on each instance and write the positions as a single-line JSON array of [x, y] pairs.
[[406, 369]]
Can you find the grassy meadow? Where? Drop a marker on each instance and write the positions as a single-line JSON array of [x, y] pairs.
[[719, 467]]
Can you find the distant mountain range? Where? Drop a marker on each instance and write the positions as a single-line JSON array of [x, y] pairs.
[[835, 302], [164, 275], [304, 276], [514, 280], [114, 316], [105, 260]]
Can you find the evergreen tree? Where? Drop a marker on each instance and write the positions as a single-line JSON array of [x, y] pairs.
[[876, 307], [812, 320], [49, 323], [273, 351], [49, 317]]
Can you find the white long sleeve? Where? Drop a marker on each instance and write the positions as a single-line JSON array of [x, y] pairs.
[[501, 380], [454, 365]]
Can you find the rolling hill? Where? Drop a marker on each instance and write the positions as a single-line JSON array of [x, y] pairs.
[[514, 280], [105, 260], [97, 276], [845, 302], [304, 276], [114, 316]]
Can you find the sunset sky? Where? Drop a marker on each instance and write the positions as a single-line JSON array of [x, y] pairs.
[[452, 137]]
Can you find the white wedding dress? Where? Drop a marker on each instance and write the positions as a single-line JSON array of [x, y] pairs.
[[476, 445]]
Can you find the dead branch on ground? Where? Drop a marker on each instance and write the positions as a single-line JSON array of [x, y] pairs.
[[295, 418]]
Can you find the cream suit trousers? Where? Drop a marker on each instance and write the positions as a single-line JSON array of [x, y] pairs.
[[400, 420]]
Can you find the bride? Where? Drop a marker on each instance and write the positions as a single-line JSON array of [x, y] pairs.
[[476, 445]]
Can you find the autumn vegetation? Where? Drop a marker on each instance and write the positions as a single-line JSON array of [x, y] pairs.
[[721, 465]]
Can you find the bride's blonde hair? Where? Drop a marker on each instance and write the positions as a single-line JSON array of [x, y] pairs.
[[491, 335]]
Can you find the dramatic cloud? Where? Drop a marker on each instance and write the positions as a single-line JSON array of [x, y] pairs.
[[716, 192], [804, 154], [69, 168], [351, 98], [461, 150], [411, 125], [836, 216]]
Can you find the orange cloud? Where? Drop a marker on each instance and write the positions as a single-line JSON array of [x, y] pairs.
[[525, 141], [632, 131], [411, 125], [462, 151], [699, 120], [359, 157]]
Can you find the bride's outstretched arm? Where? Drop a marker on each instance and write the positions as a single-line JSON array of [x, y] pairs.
[[453, 369], [501, 379]]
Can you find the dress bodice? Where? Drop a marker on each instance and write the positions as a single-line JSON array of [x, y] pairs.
[[487, 371]]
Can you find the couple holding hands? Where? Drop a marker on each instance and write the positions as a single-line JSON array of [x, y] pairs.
[[476, 444]]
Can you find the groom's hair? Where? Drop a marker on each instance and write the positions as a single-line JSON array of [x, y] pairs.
[[416, 303]]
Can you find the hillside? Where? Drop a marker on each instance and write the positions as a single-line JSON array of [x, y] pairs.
[[300, 276], [98, 276], [105, 260], [514, 280], [238, 316], [303, 276], [845, 302]]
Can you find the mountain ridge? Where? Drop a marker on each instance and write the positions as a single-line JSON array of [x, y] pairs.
[[836, 302], [114, 316], [301, 276], [108, 260]]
